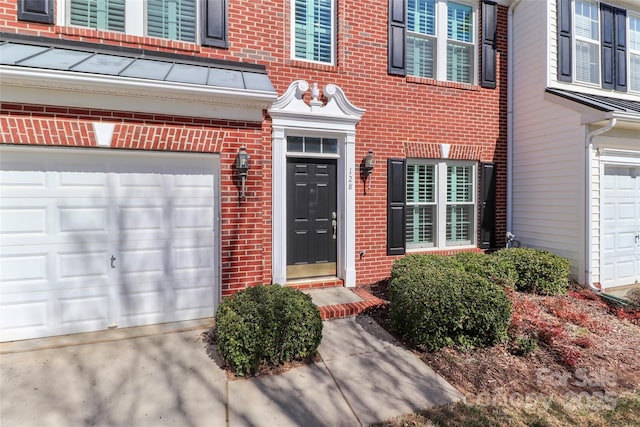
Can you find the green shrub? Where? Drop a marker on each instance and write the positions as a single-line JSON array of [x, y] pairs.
[[500, 271], [419, 265], [525, 345], [434, 303], [539, 271], [267, 325]]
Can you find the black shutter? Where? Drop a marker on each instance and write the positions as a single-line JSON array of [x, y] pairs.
[[620, 58], [214, 25], [397, 37], [489, 43], [564, 40], [396, 197], [607, 31], [36, 11], [488, 206]]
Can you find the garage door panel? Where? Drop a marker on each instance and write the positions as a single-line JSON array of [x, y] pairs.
[[65, 213], [84, 265], [142, 260], [23, 270], [193, 217], [23, 219], [194, 303], [192, 258], [138, 218], [24, 316], [621, 225], [84, 219], [84, 312], [142, 308]]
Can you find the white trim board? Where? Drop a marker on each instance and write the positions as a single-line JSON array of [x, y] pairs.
[[291, 115]]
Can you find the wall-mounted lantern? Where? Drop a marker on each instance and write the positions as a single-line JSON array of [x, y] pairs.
[[242, 166], [369, 164]]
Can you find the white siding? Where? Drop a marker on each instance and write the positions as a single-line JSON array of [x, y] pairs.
[[548, 154], [553, 40], [595, 218]]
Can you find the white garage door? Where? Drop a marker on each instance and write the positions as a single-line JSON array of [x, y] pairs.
[[621, 226], [91, 239]]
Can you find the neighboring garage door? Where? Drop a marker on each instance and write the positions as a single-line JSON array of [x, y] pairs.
[[621, 226], [92, 239]]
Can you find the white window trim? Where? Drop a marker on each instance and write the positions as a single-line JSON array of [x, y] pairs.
[[292, 38], [598, 43], [441, 39], [630, 52], [135, 19], [440, 239]]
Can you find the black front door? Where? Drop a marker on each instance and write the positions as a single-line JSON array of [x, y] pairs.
[[311, 218]]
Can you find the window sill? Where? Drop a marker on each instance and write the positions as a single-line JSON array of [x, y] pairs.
[[313, 65], [444, 251], [441, 83], [117, 39]]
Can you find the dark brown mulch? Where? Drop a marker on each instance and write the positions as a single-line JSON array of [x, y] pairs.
[[605, 361]]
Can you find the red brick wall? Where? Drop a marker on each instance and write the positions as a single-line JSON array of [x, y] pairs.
[[405, 116]]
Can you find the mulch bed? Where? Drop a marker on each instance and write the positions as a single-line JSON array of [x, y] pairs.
[[585, 348]]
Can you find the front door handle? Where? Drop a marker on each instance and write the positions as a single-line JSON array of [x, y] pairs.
[[334, 224], [113, 261]]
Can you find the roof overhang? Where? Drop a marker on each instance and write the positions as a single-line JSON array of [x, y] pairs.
[[597, 110], [218, 99]]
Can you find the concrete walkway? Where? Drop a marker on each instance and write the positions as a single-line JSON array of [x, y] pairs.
[[364, 376]]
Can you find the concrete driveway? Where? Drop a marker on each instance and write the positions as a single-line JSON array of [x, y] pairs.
[[120, 378], [157, 380]]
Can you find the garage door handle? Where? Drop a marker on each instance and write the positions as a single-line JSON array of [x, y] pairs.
[[113, 261]]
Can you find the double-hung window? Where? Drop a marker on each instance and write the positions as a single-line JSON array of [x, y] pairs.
[[421, 38], [313, 31], [98, 14], [634, 52], [441, 203], [587, 42], [172, 19], [181, 20], [441, 40], [598, 45]]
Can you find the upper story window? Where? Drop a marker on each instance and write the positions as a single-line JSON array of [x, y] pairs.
[[587, 43], [634, 52], [202, 21], [441, 40], [169, 19], [314, 30], [99, 14], [598, 45], [172, 19]]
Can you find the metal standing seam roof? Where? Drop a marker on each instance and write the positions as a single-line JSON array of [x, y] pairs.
[[599, 102], [139, 66]]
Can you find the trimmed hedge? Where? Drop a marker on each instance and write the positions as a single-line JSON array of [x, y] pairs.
[[435, 303], [539, 271], [500, 271], [267, 325]]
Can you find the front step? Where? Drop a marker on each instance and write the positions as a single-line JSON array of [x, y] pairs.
[[339, 302]]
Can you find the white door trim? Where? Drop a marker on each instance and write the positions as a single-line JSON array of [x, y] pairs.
[[611, 157], [291, 115]]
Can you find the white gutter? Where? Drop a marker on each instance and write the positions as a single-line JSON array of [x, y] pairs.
[[588, 200], [85, 90], [512, 8]]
